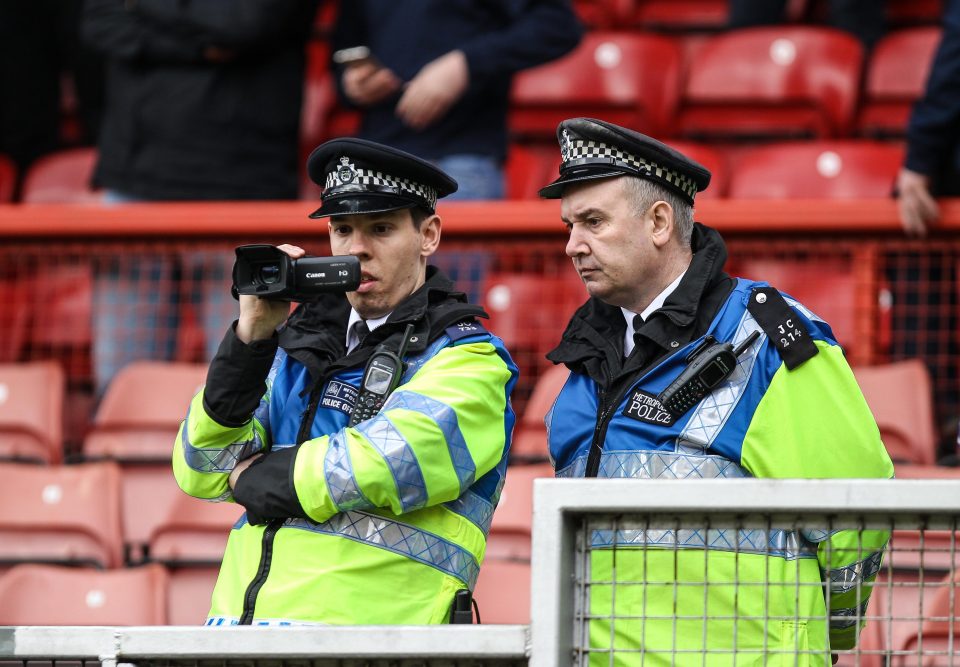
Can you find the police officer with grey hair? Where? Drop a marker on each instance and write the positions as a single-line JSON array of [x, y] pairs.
[[678, 370]]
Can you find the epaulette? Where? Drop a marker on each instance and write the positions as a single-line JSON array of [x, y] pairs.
[[782, 325]]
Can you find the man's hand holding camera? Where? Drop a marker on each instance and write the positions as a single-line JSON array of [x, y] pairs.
[[260, 317]]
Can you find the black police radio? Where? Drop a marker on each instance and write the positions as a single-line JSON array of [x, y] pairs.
[[382, 374], [708, 364], [266, 271]]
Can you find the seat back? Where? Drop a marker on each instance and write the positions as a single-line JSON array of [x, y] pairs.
[[503, 592], [66, 514], [940, 631], [31, 411], [817, 170], [141, 411], [8, 179], [900, 396], [772, 82], [529, 167], [56, 595], [896, 74], [512, 525], [525, 308], [162, 523], [61, 177], [710, 158], [630, 79]]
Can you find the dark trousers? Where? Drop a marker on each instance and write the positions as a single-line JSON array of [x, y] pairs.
[[862, 18]]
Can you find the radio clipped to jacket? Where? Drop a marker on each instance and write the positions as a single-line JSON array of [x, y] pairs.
[[381, 376], [709, 364]]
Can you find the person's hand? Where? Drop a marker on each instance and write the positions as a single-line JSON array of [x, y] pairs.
[[368, 83], [259, 318], [918, 209], [435, 88], [240, 467]]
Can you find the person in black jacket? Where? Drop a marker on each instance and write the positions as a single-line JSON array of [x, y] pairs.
[[203, 102], [438, 80]]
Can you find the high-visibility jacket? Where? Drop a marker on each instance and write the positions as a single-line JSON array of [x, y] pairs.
[[761, 594], [381, 523]]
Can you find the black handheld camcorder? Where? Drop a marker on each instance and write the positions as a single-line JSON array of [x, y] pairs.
[[268, 272]]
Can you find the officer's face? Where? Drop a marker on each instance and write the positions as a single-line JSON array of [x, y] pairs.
[[614, 249], [392, 253]]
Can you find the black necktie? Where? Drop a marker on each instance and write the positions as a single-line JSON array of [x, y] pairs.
[[362, 330], [637, 323]]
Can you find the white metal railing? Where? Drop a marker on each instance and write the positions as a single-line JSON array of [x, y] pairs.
[[584, 525]]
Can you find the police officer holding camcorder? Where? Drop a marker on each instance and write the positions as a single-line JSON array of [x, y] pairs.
[[367, 438]]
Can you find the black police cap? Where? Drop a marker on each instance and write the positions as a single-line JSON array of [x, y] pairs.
[[359, 176], [591, 149]]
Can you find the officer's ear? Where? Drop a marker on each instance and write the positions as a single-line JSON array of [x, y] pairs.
[[429, 235], [660, 215]]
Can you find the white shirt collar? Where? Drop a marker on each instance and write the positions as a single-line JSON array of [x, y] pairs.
[[352, 339], [655, 305]]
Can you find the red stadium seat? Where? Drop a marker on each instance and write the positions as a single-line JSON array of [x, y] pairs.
[[772, 82], [188, 594], [625, 78], [529, 167], [503, 592], [602, 14], [66, 514], [8, 179], [896, 74], [512, 526], [31, 411], [939, 632], [61, 177], [816, 170], [56, 595], [139, 416], [530, 435], [901, 399], [161, 522]]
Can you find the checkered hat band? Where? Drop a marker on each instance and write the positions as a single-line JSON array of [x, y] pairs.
[[367, 177], [580, 149]]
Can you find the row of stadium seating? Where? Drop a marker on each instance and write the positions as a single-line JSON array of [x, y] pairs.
[[763, 83], [755, 83], [842, 169], [138, 417]]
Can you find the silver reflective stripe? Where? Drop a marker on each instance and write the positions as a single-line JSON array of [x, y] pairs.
[[262, 413], [657, 465], [414, 364], [413, 543], [399, 456], [712, 412], [445, 418], [217, 621], [217, 459], [338, 472], [806, 312], [786, 544], [473, 508], [848, 617], [844, 579]]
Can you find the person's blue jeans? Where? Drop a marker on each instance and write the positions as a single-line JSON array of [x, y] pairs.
[[478, 176]]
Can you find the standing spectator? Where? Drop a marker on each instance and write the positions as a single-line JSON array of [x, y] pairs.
[[202, 103], [438, 83], [863, 19], [925, 304]]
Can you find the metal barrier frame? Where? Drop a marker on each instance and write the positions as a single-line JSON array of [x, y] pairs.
[[558, 503], [489, 644]]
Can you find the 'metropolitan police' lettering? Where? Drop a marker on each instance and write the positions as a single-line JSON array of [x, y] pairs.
[[647, 408]]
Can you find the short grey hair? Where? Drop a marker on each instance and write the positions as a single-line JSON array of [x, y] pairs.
[[643, 193]]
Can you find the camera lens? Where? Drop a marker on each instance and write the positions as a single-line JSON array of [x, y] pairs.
[[268, 274]]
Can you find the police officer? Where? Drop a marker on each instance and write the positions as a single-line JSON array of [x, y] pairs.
[[381, 522], [786, 406]]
